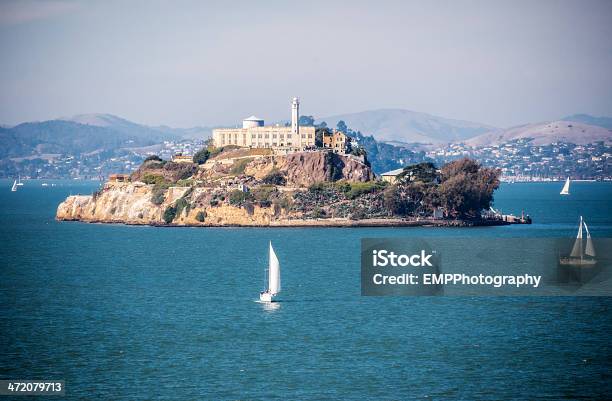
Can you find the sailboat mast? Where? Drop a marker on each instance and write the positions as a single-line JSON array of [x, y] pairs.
[[580, 233]]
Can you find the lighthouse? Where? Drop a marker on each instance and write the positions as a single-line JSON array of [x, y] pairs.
[[295, 116]]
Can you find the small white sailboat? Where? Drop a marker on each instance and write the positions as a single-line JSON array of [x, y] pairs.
[[274, 279], [581, 255], [565, 190], [14, 187], [19, 183]]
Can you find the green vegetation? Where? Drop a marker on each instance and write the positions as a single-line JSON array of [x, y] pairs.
[[356, 189], [149, 178], [466, 188], [240, 165], [238, 198], [201, 216], [263, 192], [169, 214], [185, 183], [153, 157], [181, 204], [158, 193], [275, 177], [425, 172], [201, 156], [179, 171]]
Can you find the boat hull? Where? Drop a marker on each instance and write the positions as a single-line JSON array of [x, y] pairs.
[[266, 297], [577, 262]]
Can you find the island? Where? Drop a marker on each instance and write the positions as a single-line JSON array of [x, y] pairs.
[[233, 186], [289, 175]]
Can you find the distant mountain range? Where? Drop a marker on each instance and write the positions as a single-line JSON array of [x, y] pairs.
[[85, 133], [405, 126], [546, 133], [91, 132]]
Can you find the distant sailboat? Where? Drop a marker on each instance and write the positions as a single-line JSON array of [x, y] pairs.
[[581, 255], [565, 190], [274, 279], [14, 187], [19, 183]]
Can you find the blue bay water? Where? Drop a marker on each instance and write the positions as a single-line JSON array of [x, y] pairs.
[[127, 312]]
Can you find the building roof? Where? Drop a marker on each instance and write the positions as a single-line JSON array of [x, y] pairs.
[[394, 172], [253, 118]]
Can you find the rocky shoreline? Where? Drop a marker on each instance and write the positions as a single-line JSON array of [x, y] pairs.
[[241, 188]]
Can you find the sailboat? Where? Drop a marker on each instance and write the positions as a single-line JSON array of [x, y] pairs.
[[581, 255], [19, 183], [565, 190], [274, 280], [14, 187]]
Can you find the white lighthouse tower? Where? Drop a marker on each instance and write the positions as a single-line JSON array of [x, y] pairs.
[[295, 116]]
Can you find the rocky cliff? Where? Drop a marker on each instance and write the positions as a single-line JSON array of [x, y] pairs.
[[206, 194]]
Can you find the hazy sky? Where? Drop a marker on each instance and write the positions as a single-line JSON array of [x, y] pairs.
[[206, 63]]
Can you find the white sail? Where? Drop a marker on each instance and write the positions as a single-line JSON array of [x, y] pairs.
[[590, 249], [14, 187], [565, 190], [577, 249], [274, 280]]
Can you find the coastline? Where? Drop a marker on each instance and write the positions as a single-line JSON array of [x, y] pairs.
[[326, 223]]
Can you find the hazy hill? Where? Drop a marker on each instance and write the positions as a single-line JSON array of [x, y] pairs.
[[57, 136], [605, 122], [85, 133], [405, 126], [158, 133], [546, 133]]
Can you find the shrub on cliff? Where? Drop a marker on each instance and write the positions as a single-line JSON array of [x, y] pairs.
[[264, 192], [179, 171], [158, 197], [275, 177], [169, 214], [181, 204], [240, 165], [237, 197], [355, 189], [149, 178], [154, 158], [201, 156], [158, 193], [201, 216]]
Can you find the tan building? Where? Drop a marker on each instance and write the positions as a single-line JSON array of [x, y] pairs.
[[119, 178], [182, 159], [336, 140], [391, 176], [255, 134]]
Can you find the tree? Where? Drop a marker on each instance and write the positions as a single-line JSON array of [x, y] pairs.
[[424, 172], [467, 188], [201, 156], [153, 157], [319, 132], [341, 126], [306, 121]]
